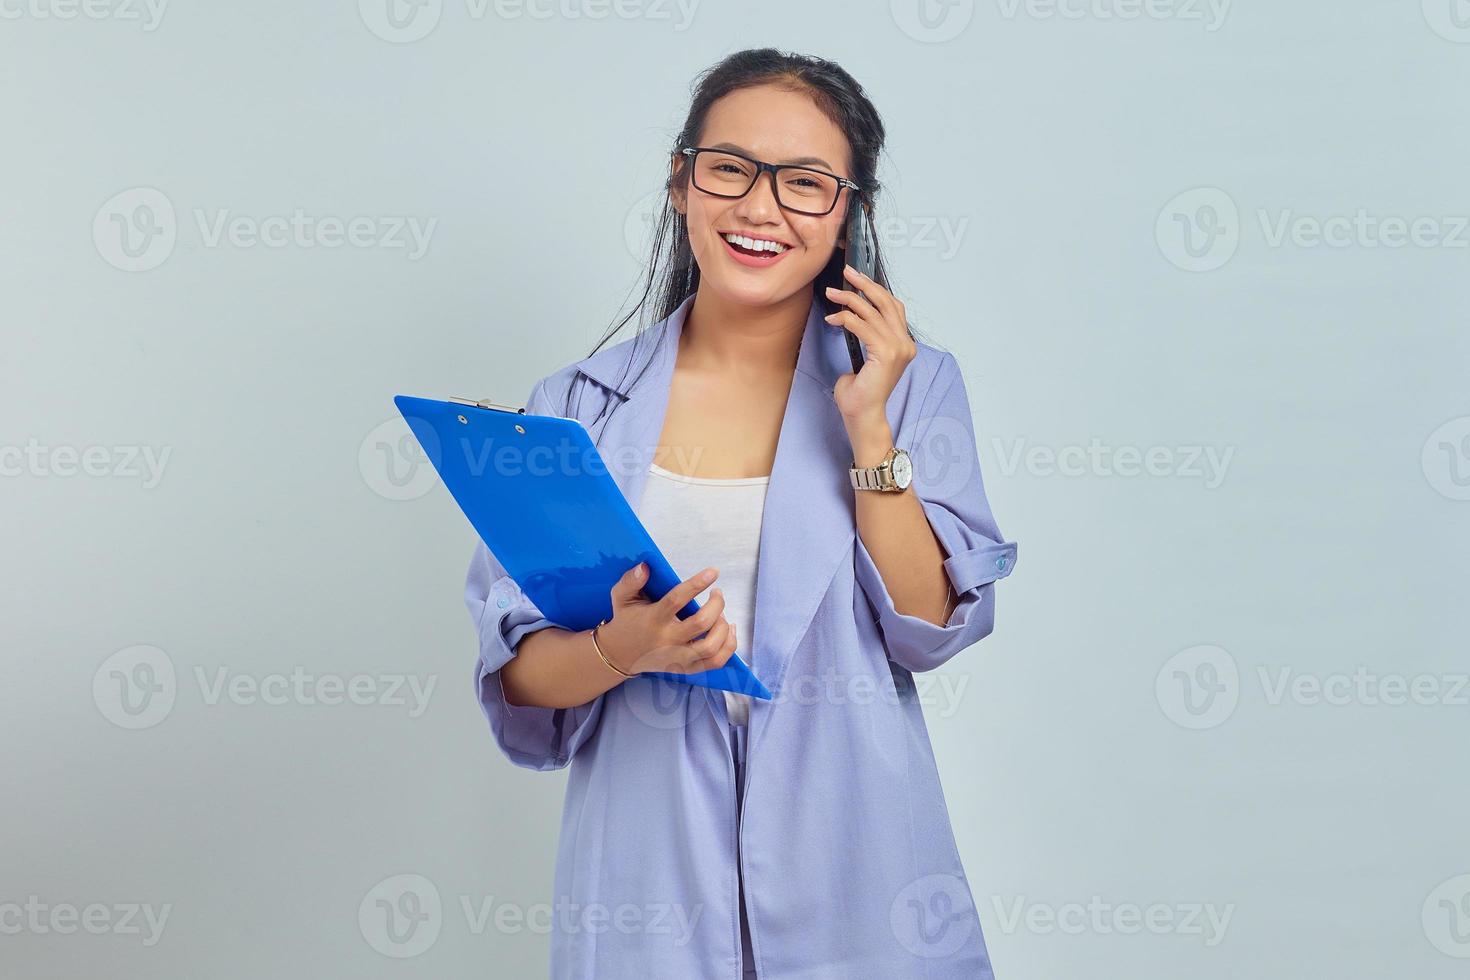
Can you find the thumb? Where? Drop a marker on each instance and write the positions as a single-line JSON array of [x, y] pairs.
[[627, 588]]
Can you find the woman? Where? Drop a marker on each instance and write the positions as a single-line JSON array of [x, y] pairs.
[[712, 836]]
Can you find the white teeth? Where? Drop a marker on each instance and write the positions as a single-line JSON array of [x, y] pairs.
[[755, 244]]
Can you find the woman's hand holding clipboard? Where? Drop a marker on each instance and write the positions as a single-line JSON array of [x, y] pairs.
[[704, 641], [572, 543]]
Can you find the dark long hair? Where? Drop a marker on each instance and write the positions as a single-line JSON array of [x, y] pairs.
[[672, 274]]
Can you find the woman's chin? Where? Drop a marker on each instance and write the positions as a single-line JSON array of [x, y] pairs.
[[741, 290]]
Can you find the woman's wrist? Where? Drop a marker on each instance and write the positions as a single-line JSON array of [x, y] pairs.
[[606, 652], [871, 439], [557, 668]]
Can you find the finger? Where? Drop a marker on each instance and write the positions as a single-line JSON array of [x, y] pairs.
[[709, 614], [678, 597], [875, 291], [628, 588], [883, 341], [703, 650], [855, 302], [865, 331], [875, 310], [722, 656]]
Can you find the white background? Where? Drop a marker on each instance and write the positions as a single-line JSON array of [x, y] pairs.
[[1043, 169]]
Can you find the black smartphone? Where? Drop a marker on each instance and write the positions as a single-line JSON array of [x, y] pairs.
[[861, 253]]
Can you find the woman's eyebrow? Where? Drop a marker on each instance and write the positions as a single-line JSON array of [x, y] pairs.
[[796, 162]]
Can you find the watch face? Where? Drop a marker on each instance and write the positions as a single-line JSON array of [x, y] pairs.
[[903, 470]]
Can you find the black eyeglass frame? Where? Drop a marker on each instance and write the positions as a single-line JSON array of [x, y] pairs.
[[774, 169]]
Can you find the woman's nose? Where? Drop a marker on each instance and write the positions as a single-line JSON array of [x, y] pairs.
[[759, 204]]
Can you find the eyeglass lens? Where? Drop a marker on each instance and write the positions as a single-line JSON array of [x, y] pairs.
[[797, 188]]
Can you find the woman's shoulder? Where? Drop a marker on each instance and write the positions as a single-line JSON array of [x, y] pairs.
[[931, 360], [582, 386], [932, 370], [556, 393]]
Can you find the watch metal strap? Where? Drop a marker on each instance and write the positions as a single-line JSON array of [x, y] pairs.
[[864, 477]]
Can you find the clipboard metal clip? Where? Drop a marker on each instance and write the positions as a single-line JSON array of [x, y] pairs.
[[487, 403]]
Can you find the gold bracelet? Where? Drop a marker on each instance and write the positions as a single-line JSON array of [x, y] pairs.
[[603, 655]]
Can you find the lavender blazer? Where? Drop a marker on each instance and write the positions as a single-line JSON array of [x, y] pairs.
[[849, 860]]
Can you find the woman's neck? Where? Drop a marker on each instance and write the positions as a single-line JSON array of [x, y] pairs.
[[747, 341]]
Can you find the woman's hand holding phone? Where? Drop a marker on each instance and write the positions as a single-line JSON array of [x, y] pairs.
[[648, 635], [879, 320]]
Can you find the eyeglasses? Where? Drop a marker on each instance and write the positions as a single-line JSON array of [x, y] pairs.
[[800, 189]]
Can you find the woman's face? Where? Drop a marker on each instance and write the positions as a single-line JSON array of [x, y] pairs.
[[778, 126]]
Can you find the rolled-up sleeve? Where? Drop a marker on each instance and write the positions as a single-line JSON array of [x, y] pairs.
[[947, 481], [531, 737]]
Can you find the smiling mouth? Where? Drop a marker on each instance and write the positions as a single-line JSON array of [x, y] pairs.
[[754, 246]]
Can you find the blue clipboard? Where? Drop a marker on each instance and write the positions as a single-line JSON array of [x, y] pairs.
[[541, 498]]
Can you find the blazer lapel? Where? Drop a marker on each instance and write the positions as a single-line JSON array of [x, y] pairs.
[[809, 520]]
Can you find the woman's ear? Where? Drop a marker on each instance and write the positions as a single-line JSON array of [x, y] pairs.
[[677, 193], [842, 227], [847, 213]]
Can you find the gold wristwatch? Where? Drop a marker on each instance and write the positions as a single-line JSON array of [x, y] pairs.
[[893, 475]]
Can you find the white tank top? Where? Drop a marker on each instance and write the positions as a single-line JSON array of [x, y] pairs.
[[702, 522]]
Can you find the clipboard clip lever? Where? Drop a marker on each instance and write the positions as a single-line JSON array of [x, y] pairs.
[[487, 403]]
